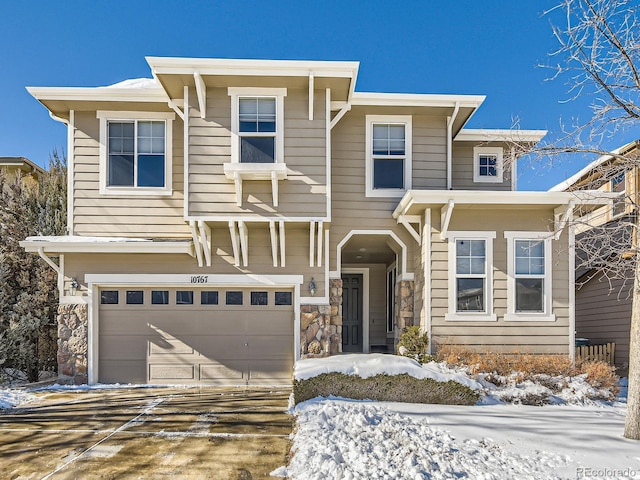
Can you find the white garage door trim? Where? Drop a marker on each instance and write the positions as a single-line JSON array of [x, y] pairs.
[[97, 281]]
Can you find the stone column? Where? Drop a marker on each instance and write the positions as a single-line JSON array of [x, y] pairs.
[[72, 344], [404, 308], [321, 325]]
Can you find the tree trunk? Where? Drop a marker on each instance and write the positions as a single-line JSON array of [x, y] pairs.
[[632, 424]]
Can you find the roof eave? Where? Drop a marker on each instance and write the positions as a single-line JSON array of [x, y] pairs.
[[53, 247], [500, 135]]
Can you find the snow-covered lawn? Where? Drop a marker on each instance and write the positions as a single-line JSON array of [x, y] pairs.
[[346, 439]]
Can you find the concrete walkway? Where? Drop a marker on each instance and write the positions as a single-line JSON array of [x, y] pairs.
[[147, 433]]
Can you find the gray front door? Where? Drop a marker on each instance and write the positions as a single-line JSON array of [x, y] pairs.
[[352, 312]]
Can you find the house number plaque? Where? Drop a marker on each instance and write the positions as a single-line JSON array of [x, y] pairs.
[[199, 278]]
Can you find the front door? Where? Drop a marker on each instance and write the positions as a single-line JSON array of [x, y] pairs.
[[352, 312]]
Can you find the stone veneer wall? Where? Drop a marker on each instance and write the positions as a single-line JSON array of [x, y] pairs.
[[321, 325], [72, 344], [404, 308]]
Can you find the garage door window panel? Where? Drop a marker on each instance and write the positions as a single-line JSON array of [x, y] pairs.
[[283, 298], [135, 297], [184, 297], [160, 297], [208, 297], [234, 298], [109, 297], [259, 298]]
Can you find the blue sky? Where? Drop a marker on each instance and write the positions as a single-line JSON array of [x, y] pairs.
[[460, 47]]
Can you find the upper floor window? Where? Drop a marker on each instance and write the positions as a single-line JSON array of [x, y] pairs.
[[618, 185], [135, 153], [470, 275], [529, 276], [488, 164], [388, 159], [257, 124]]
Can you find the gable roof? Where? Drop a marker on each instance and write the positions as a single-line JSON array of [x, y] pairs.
[[22, 163], [569, 182]]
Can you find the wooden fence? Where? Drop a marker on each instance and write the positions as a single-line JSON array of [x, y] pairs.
[[604, 353]]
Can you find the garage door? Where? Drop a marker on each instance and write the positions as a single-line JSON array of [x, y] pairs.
[[195, 336]]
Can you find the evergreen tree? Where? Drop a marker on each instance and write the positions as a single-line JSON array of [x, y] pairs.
[[28, 286]]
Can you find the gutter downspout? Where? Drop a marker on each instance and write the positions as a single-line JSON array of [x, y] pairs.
[[450, 121]]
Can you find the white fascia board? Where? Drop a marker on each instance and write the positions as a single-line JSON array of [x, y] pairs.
[[99, 94], [419, 100], [497, 135], [223, 66], [108, 247], [592, 166], [188, 278], [474, 197]]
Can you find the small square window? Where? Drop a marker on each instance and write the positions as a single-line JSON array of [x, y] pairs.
[[109, 297], [159, 297], [234, 298], [259, 298], [283, 298], [184, 297], [208, 298], [488, 164], [135, 297]]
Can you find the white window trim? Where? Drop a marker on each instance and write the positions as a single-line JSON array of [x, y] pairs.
[[406, 120], [498, 151], [511, 314], [487, 315], [235, 93], [105, 116]]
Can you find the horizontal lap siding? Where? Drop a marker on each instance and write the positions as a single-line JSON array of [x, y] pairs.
[[351, 209], [603, 315], [500, 335], [462, 173], [304, 191], [121, 215], [260, 260]]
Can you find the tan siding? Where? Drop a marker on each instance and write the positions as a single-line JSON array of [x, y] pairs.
[[115, 215], [462, 172], [525, 336], [302, 194], [260, 261], [602, 317]]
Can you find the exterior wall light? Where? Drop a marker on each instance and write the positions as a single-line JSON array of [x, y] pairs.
[[74, 286], [312, 287]]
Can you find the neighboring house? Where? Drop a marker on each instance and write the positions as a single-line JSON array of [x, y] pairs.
[[603, 303], [230, 216], [22, 165]]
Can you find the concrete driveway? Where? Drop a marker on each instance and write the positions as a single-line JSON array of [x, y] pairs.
[[147, 433]]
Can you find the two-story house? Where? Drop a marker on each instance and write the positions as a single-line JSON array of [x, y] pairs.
[[606, 250], [229, 216]]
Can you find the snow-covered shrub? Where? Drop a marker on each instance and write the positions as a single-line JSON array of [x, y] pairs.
[[388, 388], [414, 344]]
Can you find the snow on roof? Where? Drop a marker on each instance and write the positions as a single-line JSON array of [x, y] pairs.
[[79, 239], [136, 83], [366, 366]]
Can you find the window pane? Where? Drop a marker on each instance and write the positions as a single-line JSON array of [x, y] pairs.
[[463, 266], [463, 248], [477, 248], [184, 297], [529, 257], [529, 294], [135, 297], [151, 170], [477, 265], [388, 173], [234, 298], [470, 294], [109, 297], [388, 139], [283, 298], [257, 114], [259, 298], [150, 137], [522, 266], [488, 165], [121, 170], [160, 297], [257, 149], [208, 298]]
